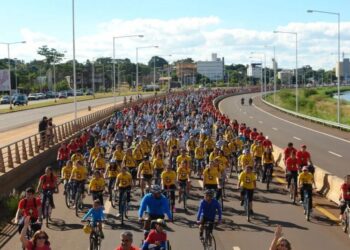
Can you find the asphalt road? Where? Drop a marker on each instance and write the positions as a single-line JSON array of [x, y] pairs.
[[270, 208], [21, 118], [328, 151]]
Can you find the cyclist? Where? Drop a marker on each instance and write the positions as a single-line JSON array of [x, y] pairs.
[[126, 239], [291, 169], [48, 184], [145, 173], [207, 211], [118, 154], [245, 159], [267, 143], [78, 177], [99, 163], [77, 156], [169, 183], [242, 100], [199, 154], [66, 172], [211, 176], [62, 155], [183, 156], [158, 165], [183, 178], [124, 184], [250, 101], [247, 183], [97, 187], [209, 146], [304, 158], [155, 204], [268, 162], [111, 173], [287, 152], [29, 206], [257, 151], [344, 195], [130, 162], [305, 182], [97, 215], [156, 236], [39, 239]]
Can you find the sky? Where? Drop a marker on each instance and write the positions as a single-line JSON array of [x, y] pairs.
[[181, 28]]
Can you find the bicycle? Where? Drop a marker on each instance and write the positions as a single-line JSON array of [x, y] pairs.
[[247, 206], [184, 196], [258, 169], [268, 177], [124, 206], [78, 202], [346, 219], [113, 197], [95, 237], [292, 187], [68, 195], [208, 240], [47, 206], [167, 193], [306, 204]]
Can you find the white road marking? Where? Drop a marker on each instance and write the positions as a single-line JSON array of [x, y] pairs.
[[251, 117], [236, 248], [275, 129], [296, 138], [244, 112], [260, 122], [313, 130], [335, 154]]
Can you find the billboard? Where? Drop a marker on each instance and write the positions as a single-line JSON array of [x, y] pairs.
[[4, 80]]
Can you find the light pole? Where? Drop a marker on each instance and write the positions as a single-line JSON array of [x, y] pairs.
[[296, 65], [118, 37], [338, 89], [154, 77], [93, 77], [274, 71], [74, 69], [263, 85], [261, 74], [9, 66], [137, 63], [15, 59]]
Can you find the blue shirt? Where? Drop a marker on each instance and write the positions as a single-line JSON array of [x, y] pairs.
[[155, 206], [95, 214], [208, 210]]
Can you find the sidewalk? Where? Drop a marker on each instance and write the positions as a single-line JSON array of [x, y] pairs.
[[17, 134]]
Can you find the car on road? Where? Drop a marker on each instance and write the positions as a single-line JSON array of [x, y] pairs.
[[20, 100], [50, 94], [5, 99], [33, 97], [62, 95], [151, 87]]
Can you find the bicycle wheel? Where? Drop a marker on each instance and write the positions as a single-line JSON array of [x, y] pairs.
[[268, 178], [68, 198], [345, 224], [184, 198], [306, 208], [213, 243], [246, 207], [47, 213], [77, 203], [113, 198]]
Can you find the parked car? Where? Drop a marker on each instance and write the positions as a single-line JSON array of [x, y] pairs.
[[33, 97], [50, 94], [70, 92], [42, 96], [5, 99], [89, 92], [151, 87], [79, 92], [62, 95], [20, 100]]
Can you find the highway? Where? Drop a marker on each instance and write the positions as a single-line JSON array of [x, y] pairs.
[[329, 148]]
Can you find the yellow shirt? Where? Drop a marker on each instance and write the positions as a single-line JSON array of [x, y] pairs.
[[239, 144], [257, 150], [137, 153], [266, 159], [247, 180], [124, 180], [226, 149], [199, 153], [210, 176], [171, 143], [245, 160], [129, 161], [181, 158], [232, 146], [183, 173], [168, 178], [305, 178], [228, 136], [77, 157], [145, 168], [66, 172], [94, 152], [79, 173], [97, 184], [100, 163], [213, 155], [191, 144], [118, 155], [209, 144], [158, 163], [223, 162], [202, 137], [112, 171]]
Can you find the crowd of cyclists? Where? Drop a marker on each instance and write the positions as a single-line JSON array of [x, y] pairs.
[[153, 149]]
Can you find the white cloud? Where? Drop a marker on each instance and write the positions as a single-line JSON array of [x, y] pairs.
[[196, 37]]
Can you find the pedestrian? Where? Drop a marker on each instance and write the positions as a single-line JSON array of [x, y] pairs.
[[279, 242], [49, 131], [42, 131], [126, 239]]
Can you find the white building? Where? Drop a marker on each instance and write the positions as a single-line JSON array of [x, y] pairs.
[[254, 70], [285, 76], [344, 67], [214, 69]]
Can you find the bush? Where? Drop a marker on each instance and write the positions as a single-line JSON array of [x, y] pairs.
[[309, 92]]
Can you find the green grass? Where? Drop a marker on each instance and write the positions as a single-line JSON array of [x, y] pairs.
[[51, 102], [8, 208], [316, 102]]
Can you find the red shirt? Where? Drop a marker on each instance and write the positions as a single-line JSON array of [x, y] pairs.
[[29, 208], [63, 154], [253, 135], [30, 246], [260, 138], [267, 143], [73, 147], [346, 191], [288, 152], [303, 157], [132, 248], [292, 164], [155, 236], [84, 138], [48, 182]]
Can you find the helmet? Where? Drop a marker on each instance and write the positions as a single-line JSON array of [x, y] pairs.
[[87, 229], [209, 192], [112, 161], [305, 168], [155, 189], [160, 222]]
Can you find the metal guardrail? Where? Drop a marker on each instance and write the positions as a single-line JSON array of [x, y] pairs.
[[17, 153], [307, 117]]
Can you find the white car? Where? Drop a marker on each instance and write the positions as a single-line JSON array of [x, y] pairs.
[[33, 97]]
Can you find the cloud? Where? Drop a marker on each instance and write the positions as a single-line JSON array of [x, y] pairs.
[[197, 37]]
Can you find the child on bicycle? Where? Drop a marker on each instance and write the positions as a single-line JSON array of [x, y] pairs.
[[156, 236], [97, 215]]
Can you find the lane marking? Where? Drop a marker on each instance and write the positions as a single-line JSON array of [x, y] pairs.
[[251, 117], [313, 130], [296, 138], [335, 154], [236, 248], [260, 122], [275, 129], [244, 112], [326, 213]]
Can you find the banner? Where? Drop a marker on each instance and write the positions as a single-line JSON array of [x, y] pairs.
[[4, 80]]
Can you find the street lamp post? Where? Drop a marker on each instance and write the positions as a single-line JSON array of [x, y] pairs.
[[338, 89], [15, 59], [296, 65], [74, 69], [9, 66], [118, 37], [137, 63], [274, 72], [168, 70], [263, 84]]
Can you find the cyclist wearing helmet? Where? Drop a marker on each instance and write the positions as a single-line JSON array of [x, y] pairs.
[[247, 183], [111, 173], [156, 236], [155, 204], [208, 208], [305, 182]]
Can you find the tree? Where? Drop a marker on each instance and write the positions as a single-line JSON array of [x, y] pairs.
[[51, 55], [160, 62]]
